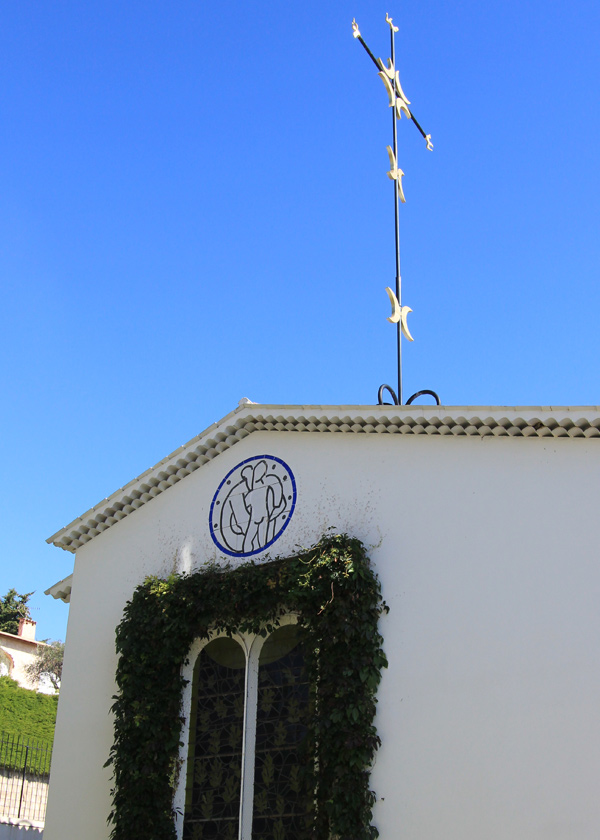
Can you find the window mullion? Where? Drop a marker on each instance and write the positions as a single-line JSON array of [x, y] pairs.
[[247, 798]]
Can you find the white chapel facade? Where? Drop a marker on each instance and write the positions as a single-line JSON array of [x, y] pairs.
[[482, 526]]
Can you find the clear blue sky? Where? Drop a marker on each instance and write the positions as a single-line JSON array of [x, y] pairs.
[[194, 208]]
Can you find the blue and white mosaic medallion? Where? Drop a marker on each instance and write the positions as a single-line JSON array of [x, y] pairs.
[[252, 506]]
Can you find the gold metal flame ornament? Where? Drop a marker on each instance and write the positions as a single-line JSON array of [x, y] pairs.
[[391, 23], [395, 174], [399, 313], [391, 80]]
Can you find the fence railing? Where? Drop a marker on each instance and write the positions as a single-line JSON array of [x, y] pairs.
[[24, 774]]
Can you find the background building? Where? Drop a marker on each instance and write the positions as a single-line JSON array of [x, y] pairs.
[[17, 652]]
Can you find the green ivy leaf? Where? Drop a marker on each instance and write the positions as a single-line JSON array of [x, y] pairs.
[[338, 601]]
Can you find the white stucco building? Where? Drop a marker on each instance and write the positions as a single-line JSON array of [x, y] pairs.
[[19, 651], [483, 527]]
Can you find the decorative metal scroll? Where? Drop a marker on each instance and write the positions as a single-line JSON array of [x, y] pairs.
[[409, 401], [399, 104]]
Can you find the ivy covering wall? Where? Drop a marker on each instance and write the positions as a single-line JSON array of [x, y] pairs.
[[337, 597]]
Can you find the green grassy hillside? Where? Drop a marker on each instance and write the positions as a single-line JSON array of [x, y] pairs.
[[25, 716]]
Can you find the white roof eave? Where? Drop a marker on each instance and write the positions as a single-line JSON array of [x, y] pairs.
[[477, 421], [61, 591]]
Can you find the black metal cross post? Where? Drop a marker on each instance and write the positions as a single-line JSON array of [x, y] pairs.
[[396, 217], [399, 104]]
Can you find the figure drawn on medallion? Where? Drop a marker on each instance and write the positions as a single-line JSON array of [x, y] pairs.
[[253, 505]]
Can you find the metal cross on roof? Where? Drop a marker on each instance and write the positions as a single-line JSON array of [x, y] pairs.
[[400, 105]]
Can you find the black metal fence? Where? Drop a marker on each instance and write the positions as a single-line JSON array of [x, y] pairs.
[[24, 774]]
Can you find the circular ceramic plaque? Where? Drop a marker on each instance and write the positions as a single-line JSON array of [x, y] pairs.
[[252, 506]]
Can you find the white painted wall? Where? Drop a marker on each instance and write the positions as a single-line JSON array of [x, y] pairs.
[[487, 549]]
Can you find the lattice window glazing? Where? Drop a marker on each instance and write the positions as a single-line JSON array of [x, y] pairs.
[[282, 806], [213, 806], [246, 772]]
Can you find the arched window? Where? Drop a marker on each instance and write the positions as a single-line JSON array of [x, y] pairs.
[[248, 713], [215, 757]]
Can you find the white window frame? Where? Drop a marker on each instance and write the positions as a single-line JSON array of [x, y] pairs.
[[252, 646]]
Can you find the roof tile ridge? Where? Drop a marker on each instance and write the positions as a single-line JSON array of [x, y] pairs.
[[482, 421]]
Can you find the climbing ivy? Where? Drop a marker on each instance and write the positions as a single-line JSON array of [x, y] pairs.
[[338, 600]]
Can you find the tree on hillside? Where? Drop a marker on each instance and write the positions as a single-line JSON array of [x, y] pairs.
[[13, 607], [48, 663]]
